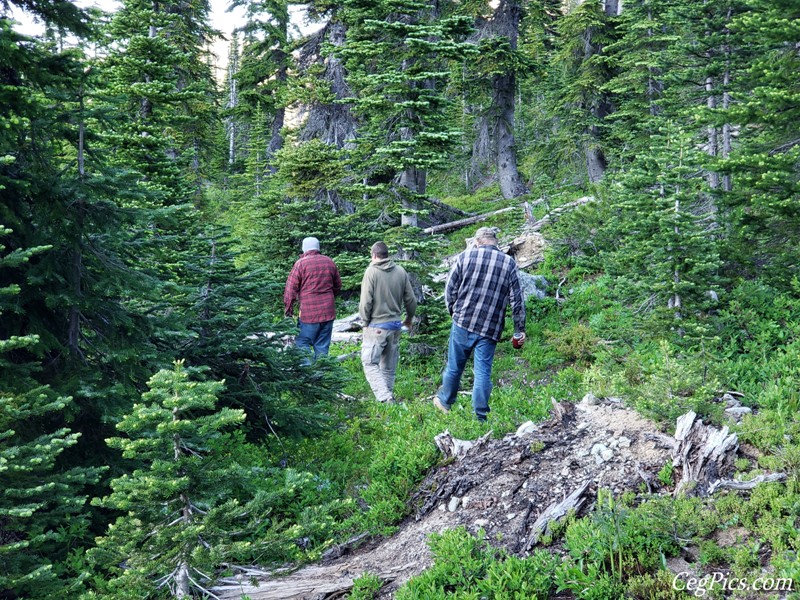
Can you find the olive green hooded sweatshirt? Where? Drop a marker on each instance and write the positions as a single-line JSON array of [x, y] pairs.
[[385, 290]]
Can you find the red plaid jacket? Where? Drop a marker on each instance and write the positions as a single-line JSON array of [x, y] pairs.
[[313, 283]]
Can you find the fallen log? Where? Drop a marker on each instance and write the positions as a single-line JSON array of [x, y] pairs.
[[310, 582], [732, 484], [453, 225], [557, 211], [447, 207]]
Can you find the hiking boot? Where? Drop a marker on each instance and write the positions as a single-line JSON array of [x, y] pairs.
[[440, 405]]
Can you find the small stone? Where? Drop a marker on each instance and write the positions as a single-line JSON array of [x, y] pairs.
[[602, 453], [442, 507], [505, 494], [624, 442], [465, 501], [481, 523], [582, 426], [526, 428], [453, 504], [612, 443], [730, 401], [737, 412], [590, 400], [565, 471], [510, 516]]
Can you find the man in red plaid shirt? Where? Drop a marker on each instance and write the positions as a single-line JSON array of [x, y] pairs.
[[313, 283]]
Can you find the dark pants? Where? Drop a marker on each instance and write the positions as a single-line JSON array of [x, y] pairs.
[[316, 335]]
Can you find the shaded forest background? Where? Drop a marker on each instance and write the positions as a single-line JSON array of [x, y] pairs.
[[153, 429]]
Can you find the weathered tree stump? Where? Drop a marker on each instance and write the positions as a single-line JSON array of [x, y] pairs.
[[703, 453]]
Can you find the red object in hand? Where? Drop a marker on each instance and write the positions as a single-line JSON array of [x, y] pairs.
[[518, 340]]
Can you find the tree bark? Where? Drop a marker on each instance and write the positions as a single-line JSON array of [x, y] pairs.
[[453, 225], [504, 87], [413, 181], [233, 98]]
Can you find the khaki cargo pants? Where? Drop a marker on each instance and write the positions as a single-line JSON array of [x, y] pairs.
[[380, 351]]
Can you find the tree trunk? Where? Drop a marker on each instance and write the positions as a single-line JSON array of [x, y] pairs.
[[504, 87], [726, 104], [233, 98], [276, 137], [713, 137], [595, 159], [413, 181], [612, 8], [332, 123]]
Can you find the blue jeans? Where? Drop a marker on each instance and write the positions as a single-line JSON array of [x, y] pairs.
[[462, 344], [317, 335]]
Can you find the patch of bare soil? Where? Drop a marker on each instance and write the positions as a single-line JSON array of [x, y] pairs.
[[501, 486]]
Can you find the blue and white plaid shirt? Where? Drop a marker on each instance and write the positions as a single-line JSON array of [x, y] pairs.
[[479, 287]]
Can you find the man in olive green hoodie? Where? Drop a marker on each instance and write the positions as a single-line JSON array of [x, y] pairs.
[[385, 291]]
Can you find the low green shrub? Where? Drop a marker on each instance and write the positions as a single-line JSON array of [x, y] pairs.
[[466, 566], [366, 587]]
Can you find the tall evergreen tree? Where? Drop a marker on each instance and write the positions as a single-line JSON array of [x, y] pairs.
[[765, 164], [159, 75], [396, 54], [234, 331], [580, 74], [666, 257], [498, 62], [42, 510], [263, 71]]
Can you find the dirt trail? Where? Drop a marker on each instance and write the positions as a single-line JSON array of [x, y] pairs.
[[501, 486]]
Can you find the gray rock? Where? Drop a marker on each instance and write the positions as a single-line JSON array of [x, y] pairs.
[[590, 400], [730, 401], [525, 428], [453, 504], [602, 453], [533, 285], [737, 412]]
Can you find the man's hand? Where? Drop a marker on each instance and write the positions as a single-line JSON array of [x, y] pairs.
[[408, 323], [518, 341]]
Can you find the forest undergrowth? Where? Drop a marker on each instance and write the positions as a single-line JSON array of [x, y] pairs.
[[592, 342]]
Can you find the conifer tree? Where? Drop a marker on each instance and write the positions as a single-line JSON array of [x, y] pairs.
[[77, 297], [765, 165], [168, 536], [42, 507], [395, 54], [263, 70], [666, 258], [159, 77], [235, 332], [494, 75], [641, 59], [580, 73]]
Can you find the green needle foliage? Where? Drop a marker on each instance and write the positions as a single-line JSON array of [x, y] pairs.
[[37, 495], [168, 537]]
